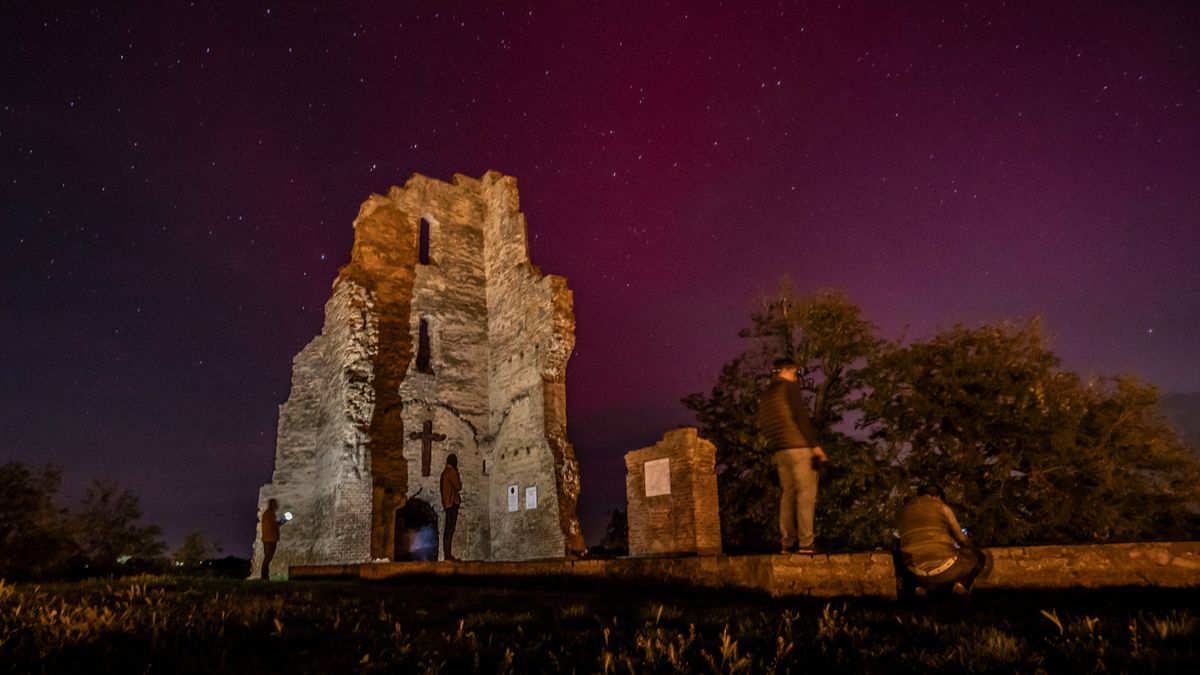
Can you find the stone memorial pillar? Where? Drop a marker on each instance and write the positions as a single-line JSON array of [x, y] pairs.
[[672, 492]]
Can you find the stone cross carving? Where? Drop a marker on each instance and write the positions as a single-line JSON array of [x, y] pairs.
[[427, 438]]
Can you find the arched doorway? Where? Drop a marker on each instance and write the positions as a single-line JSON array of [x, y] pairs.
[[416, 532]]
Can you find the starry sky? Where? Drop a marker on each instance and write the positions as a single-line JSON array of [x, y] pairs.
[[178, 182]]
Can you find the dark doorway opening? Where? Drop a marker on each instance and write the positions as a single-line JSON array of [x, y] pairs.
[[416, 532]]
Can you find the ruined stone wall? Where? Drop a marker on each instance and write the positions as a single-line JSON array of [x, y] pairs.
[[348, 453], [321, 467], [383, 262], [449, 294], [338, 465], [531, 334], [674, 510]]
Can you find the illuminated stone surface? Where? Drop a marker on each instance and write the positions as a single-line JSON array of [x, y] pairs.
[[671, 489], [490, 378], [1160, 564], [1166, 564]]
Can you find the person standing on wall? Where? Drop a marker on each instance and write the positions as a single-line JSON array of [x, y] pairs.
[[451, 485], [270, 536], [784, 421]]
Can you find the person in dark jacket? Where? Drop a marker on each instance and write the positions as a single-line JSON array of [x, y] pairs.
[[784, 421], [270, 536], [934, 547], [451, 487]]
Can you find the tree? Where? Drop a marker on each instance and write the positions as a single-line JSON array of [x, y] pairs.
[[194, 550], [108, 529], [616, 535], [35, 538], [1029, 452], [831, 343], [1026, 451]]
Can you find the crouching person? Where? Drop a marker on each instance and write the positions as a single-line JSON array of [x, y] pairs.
[[933, 548]]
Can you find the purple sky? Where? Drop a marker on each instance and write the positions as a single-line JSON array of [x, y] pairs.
[[177, 185]]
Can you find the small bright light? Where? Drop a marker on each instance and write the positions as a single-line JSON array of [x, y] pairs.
[[287, 515]]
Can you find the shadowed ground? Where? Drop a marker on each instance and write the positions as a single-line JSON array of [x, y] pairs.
[[154, 624]]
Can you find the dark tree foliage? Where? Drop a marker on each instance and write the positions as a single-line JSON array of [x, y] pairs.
[[194, 550], [1026, 451], [40, 540], [747, 486], [831, 343], [616, 535], [109, 529], [35, 537]]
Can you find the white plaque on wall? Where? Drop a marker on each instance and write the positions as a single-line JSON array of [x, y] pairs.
[[658, 477], [513, 504], [531, 497]]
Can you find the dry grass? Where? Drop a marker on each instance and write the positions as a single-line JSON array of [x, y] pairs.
[[166, 625]]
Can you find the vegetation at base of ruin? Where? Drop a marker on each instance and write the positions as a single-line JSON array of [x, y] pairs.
[[107, 526], [1026, 451], [41, 540], [182, 625], [615, 541]]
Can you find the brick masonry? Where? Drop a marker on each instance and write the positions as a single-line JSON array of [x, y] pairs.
[[872, 574], [865, 574], [684, 518], [348, 455], [1166, 564]]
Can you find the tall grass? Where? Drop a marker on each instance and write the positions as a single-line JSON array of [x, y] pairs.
[[172, 625]]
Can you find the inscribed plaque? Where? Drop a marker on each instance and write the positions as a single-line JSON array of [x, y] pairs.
[[513, 503], [658, 477], [531, 497]]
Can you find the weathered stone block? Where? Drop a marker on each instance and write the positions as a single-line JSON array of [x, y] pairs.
[[671, 489], [1094, 566]]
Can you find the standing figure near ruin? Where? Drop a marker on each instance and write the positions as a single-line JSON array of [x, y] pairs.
[[451, 485], [270, 536], [784, 421], [934, 548]]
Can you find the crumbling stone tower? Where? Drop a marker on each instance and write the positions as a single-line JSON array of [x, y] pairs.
[[440, 337]]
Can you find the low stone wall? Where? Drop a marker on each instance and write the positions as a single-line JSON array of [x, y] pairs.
[[834, 574], [1170, 564], [1163, 564], [838, 574]]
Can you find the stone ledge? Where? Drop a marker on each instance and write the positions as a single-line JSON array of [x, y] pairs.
[[1162, 564], [1169, 564], [858, 574]]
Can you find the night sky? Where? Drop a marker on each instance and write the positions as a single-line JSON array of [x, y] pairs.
[[178, 182]]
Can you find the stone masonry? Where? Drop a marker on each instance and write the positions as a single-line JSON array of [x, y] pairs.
[[868, 573], [1167, 564], [671, 488], [440, 337]]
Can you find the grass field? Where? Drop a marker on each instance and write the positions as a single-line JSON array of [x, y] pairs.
[[169, 625]]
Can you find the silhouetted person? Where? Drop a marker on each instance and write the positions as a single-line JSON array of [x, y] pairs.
[[451, 500], [784, 422], [270, 536], [933, 547]]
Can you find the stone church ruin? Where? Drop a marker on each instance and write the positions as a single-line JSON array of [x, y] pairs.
[[440, 337]]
